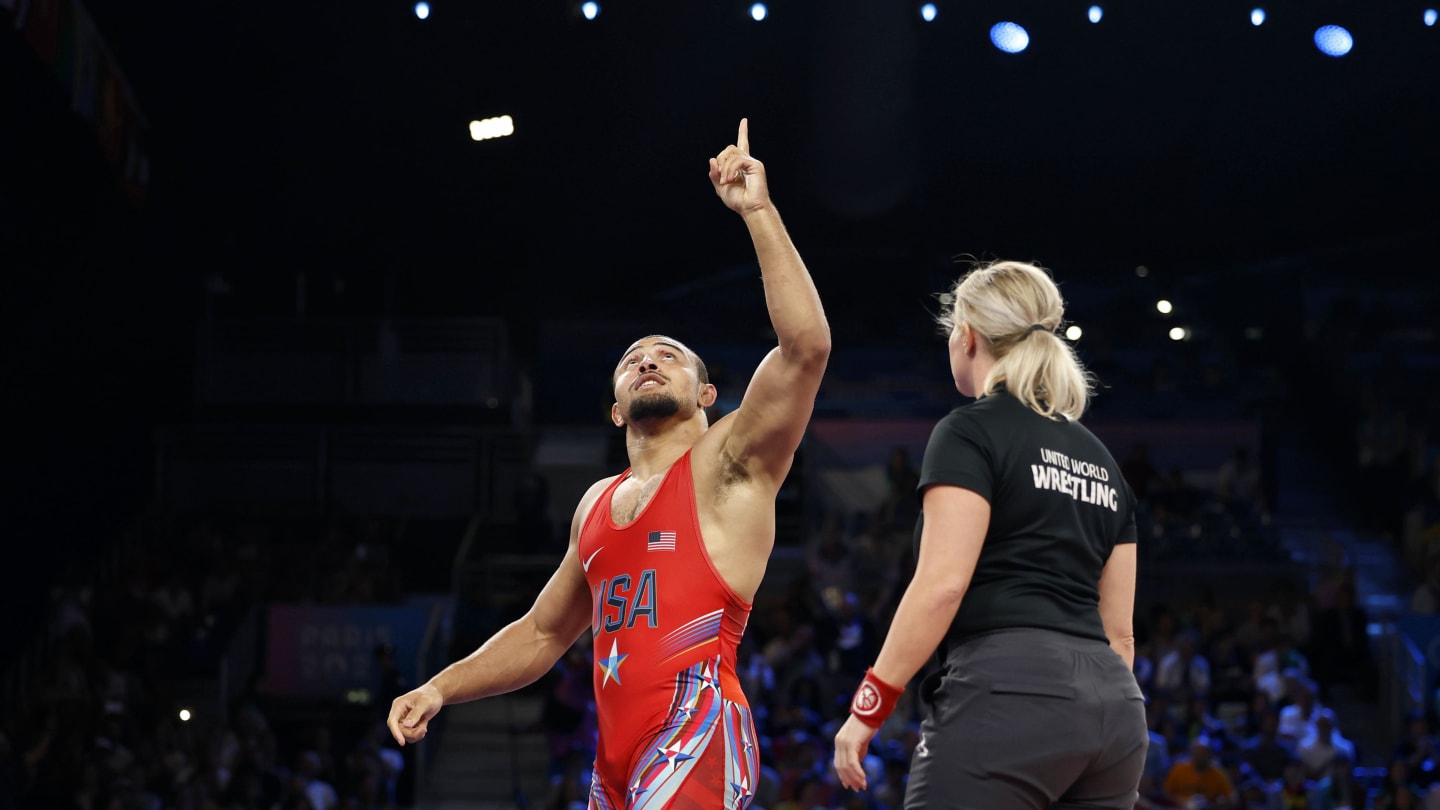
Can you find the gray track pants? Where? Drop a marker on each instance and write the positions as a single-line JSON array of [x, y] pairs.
[[1029, 718]]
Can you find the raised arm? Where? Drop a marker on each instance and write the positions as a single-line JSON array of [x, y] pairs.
[[771, 419], [518, 654]]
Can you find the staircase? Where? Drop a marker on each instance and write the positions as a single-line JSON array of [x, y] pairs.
[[479, 764]]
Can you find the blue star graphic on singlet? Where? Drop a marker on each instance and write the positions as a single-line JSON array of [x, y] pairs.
[[742, 791], [611, 666], [635, 791], [674, 757]]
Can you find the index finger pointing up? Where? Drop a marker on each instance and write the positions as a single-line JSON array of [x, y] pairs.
[[742, 139]]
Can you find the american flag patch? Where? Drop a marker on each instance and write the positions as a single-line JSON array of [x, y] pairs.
[[661, 541]]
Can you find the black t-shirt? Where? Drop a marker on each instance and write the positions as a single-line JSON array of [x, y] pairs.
[[1058, 505]]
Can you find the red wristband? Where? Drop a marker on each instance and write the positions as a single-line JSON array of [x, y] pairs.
[[874, 700]]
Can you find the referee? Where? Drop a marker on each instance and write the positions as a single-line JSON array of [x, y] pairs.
[[1024, 580]]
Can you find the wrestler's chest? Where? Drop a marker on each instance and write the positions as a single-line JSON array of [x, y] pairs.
[[631, 498]]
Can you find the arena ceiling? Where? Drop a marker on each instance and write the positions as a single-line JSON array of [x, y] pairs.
[[332, 137]]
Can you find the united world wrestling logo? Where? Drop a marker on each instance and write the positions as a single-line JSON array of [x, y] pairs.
[[867, 700]]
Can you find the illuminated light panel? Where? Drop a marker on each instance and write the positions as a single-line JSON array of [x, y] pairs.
[[498, 127]]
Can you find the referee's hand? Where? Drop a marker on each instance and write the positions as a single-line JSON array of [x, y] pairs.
[[852, 743]]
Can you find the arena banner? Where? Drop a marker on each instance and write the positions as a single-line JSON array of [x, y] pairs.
[[328, 651]]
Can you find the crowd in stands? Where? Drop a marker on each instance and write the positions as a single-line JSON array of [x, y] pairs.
[[1239, 696], [1244, 698], [1378, 357], [100, 728]]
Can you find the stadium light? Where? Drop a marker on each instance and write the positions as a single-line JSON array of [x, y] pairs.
[[1332, 40], [488, 128], [1009, 37]]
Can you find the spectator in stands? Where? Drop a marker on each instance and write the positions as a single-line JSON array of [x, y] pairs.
[[831, 562], [870, 554], [1338, 791], [1199, 721], [1199, 775], [898, 506], [1418, 750], [757, 677], [1231, 678], [796, 657], [1237, 484], [1276, 661], [1291, 612], [1184, 672], [1266, 752], [1297, 789], [1298, 717], [1163, 626], [1398, 791], [804, 778], [1340, 654], [1248, 630], [1323, 745], [851, 639], [320, 794], [1254, 795], [678, 543]]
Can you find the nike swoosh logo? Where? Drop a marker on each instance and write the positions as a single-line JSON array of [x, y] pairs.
[[585, 566]]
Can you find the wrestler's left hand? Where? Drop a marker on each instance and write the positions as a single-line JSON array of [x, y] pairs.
[[738, 178], [852, 743], [410, 713]]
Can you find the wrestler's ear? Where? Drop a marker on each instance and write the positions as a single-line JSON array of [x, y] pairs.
[[615, 415], [708, 395]]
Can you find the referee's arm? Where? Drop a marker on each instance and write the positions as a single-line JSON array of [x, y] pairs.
[[1117, 601]]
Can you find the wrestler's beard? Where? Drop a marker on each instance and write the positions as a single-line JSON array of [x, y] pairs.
[[653, 406]]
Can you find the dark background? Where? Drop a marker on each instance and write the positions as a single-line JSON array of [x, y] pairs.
[[323, 146]]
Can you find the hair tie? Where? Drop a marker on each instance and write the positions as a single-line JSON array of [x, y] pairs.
[[1036, 328]]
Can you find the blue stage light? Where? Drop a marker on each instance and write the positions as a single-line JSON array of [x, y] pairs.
[[1009, 37], [1332, 40]]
